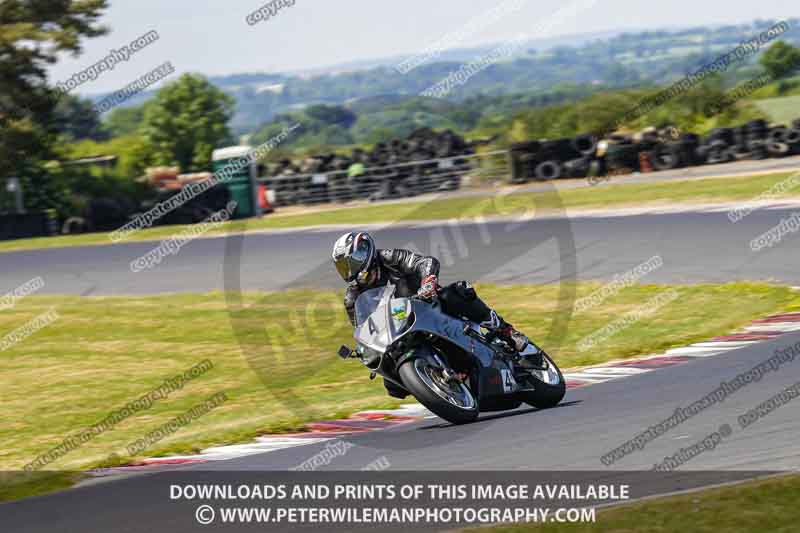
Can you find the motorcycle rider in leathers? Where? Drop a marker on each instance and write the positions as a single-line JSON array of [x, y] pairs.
[[363, 266]]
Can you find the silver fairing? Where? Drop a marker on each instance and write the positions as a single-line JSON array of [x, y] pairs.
[[382, 320]]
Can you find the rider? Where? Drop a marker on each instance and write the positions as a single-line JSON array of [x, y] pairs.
[[363, 266]]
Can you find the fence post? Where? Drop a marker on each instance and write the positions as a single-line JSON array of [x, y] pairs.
[[13, 186]]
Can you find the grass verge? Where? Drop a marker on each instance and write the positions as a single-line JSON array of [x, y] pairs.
[[103, 352], [765, 505], [623, 195]]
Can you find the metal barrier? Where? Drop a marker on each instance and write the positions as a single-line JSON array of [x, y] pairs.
[[27, 225], [390, 182]]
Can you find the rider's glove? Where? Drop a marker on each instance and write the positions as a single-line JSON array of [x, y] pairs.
[[428, 288]]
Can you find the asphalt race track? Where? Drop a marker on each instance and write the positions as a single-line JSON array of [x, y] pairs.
[[591, 421], [695, 247]]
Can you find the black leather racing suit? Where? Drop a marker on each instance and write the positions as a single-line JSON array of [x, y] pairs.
[[405, 270]]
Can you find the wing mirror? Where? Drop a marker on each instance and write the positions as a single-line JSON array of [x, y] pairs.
[[345, 352]]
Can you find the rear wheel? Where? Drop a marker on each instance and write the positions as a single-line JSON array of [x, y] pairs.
[[548, 386], [448, 399]]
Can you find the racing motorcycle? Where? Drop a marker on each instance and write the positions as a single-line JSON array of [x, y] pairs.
[[448, 364]]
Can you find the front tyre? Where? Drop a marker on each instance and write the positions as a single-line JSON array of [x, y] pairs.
[[452, 402], [548, 385]]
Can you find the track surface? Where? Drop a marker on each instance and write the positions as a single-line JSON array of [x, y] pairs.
[[591, 422], [695, 247]]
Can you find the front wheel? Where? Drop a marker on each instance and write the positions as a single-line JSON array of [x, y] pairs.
[[548, 386], [451, 401]]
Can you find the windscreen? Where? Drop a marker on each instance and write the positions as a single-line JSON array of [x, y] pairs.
[[369, 300]]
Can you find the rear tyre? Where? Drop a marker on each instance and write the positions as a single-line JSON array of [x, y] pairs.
[[456, 404], [666, 157], [778, 149], [549, 386], [548, 170]]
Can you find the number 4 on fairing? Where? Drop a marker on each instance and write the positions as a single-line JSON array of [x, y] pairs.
[[509, 384]]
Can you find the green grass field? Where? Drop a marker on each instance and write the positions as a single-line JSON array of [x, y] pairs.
[[104, 352], [782, 110], [768, 505], [707, 190]]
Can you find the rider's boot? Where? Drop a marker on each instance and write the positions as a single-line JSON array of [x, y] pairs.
[[529, 355], [516, 339]]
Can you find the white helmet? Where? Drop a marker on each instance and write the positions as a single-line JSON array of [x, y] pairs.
[[353, 255]]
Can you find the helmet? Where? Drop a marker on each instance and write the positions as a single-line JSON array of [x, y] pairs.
[[354, 256]]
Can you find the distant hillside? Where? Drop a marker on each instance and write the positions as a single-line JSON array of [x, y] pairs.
[[782, 110], [614, 60], [455, 54]]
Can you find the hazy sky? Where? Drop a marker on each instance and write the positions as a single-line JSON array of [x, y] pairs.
[[212, 36]]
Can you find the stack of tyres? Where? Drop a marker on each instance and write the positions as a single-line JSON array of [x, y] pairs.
[[539, 160], [792, 139], [716, 148], [108, 214], [754, 140], [779, 141], [622, 154], [524, 160], [566, 157], [552, 159], [757, 129], [585, 148], [758, 141], [666, 156], [687, 148], [421, 145]]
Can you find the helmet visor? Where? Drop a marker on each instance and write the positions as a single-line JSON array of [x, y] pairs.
[[348, 268]]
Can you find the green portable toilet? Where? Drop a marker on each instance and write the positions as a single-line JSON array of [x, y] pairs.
[[242, 182]]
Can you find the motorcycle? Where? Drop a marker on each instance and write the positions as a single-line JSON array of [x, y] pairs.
[[448, 364]]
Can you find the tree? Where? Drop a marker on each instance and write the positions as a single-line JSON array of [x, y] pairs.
[[186, 121], [77, 119], [132, 154], [334, 115], [124, 120], [32, 35], [780, 59]]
